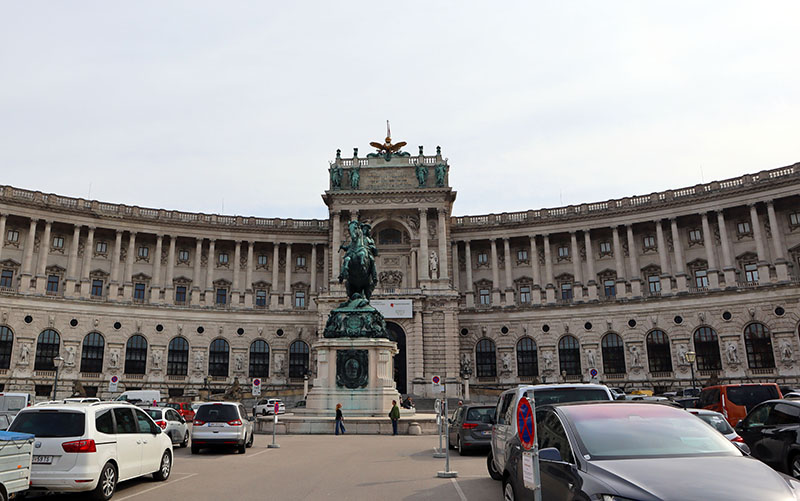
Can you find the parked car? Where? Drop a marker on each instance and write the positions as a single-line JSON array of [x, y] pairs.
[[16, 455], [471, 427], [173, 424], [635, 450], [687, 402], [146, 396], [791, 394], [222, 424], [688, 392], [734, 401], [504, 425], [92, 447], [772, 431], [719, 423], [5, 422], [183, 408], [266, 407]]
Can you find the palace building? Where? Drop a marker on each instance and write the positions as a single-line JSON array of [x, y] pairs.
[[177, 300]]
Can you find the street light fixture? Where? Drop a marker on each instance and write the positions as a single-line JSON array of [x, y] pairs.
[[58, 362], [691, 357]]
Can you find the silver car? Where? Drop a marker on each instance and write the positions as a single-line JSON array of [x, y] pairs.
[[173, 424], [222, 424]]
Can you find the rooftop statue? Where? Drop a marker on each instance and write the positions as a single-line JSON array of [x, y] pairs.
[[387, 149]]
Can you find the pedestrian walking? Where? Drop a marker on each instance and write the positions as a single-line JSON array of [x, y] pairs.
[[339, 419], [394, 415]]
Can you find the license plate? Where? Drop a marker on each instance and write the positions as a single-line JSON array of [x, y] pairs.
[[486, 433], [215, 425], [42, 459]]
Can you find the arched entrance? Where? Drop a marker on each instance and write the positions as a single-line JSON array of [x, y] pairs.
[[398, 335]]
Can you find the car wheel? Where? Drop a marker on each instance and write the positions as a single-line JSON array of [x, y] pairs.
[[492, 469], [107, 483], [241, 449], [165, 467], [460, 446], [250, 442], [185, 439], [794, 466], [195, 449], [263, 412], [508, 490]]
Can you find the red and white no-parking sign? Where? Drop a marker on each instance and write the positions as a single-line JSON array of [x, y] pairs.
[[256, 386], [113, 384], [526, 427]]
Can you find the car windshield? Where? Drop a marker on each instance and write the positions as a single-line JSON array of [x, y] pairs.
[[216, 413], [562, 395], [480, 414], [751, 395], [717, 421], [173, 406], [646, 430], [50, 424], [154, 413]]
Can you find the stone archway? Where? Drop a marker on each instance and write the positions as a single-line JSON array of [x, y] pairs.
[[398, 335]]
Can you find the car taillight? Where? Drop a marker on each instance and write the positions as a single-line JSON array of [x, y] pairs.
[[737, 438], [467, 426], [79, 446], [198, 423], [162, 424], [235, 422]]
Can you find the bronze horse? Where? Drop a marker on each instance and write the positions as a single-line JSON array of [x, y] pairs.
[[358, 265]]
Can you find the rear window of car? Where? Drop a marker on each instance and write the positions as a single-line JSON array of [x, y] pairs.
[[154, 413], [216, 413], [718, 422], [751, 395], [561, 395], [172, 406], [480, 414], [50, 424]]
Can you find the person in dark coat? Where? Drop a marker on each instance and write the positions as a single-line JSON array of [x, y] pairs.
[[394, 415], [339, 419]]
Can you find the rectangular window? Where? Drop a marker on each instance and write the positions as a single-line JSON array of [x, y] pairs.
[[58, 242], [299, 299], [222, 296], [743, 228], [180, 294], [101, 248], [751, 272], [794, 219], [13, 236], [485, 296], [563, 252], [522, 255], [183, 255], [701, 278], [695, 236], [483, 258], [605, 248], [524, 294], [7, 278], [566, 292], [649, 242], [262, 259], [144, 252], [223, 258], [138, 292], [654, 283], [52, 283], [301, 261], [97, 288], [261, 298], [609, 288]]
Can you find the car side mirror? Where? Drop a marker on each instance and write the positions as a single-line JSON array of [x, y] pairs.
[[740, 425], [550, 454], [743, 448]]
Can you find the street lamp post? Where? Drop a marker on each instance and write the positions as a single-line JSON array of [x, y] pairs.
[[58, 361], [691, 357]]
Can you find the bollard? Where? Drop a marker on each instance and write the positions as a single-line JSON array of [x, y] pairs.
[[274, 445], [439, 453], [447, 473]]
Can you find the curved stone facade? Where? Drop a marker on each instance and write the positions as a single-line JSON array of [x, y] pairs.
[[180, 300]]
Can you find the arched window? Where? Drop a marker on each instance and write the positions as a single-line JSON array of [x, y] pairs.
[[46, 349], [6, 346], [92, 352], [658, 354], [613, 354], [758, 344], [218, 358], [485, 358], [259, 359], [569, 356], [178, 357], [527, 358], [136, 355], [298, 359], [706, 345]]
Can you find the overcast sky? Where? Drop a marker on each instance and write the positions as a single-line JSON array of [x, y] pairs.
[[189, 105]]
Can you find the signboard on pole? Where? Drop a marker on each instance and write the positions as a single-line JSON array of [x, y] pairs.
[[113, 383], [526, 430], [437, 387], [256, 387], [593, 376]]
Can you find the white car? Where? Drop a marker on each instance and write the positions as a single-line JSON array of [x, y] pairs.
[[266, 407], [91, 447], [173, 424]]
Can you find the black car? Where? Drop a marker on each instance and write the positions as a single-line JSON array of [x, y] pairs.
[[471, 428], [772, 431], [641, 451]]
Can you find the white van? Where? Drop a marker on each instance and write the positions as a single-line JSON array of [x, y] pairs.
[[14, 402], [147, 396]]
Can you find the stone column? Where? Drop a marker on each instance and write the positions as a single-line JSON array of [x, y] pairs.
[[680, 264], [470, 284], [711, 257], [536, 290], [336, 241], [44, 251], [72, 266], [274, 291], [2, 234], [621, 284], [237, 258], [88, 252], [727, 262], [577, 272], [155, 289], [442, 244], [509, 292], [412, 282], [197, 285], [781, 265], [313, 266], [666, 281], [591, 279], [248, 276], [169, 297], [423, 267], [763, 265], [495, 274], [210, 265], [456, 273], [633, 258], [115, 258], [325, 257], [550, 288], [287, 286], [27, 258], [127, 291]]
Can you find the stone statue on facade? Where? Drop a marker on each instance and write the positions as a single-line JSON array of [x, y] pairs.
[[440, 171], [732, 353], [198, 361], [77, 389], [336, 176], [355, 177], [24, 351], [422, 175], [433, 263], [590, 358], [69, 360], [506, 360], [682, 355], [634, 356], [786, 351], [114, 362], [548, 361], [156, 360], [239, 362], [466, 365]]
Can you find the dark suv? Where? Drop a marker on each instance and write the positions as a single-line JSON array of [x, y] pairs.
[[772, 431], [471, 427]]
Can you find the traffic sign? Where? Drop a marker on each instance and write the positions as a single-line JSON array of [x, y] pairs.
[[436, 384], [277, 406], [526, 428], [593, 372], [593, 375], [256, 386], [113, 384], [436, 380]]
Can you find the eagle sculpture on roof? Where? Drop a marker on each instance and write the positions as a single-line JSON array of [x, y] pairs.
[[387, 149]]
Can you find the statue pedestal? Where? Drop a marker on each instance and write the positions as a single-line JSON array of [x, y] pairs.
[[343, 379]]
